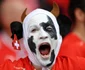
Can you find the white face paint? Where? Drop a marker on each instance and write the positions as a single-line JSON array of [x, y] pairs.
[[42, 39], [42, 29]]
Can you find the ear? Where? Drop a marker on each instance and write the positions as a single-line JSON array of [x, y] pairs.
[[23, 15], [55, 11], [79, 14]]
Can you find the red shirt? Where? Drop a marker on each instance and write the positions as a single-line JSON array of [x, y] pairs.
[[5, 52], [62, 63], [72, 46]]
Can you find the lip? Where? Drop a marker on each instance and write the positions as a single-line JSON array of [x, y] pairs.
[[44, 49]]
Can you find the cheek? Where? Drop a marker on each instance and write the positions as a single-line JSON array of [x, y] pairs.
[[32, 45], [52, 58], [53, 35], [53, 43], [35, 37]]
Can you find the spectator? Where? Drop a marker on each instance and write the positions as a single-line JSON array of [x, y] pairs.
[[11, 10], [74, 43]]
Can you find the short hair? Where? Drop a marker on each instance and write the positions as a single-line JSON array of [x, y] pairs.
[[75, 4]]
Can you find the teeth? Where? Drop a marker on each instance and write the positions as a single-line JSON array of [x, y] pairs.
[[45, 56], [44, 50]]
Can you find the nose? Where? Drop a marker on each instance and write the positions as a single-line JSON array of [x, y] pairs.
[[43, 37], [43, 34]]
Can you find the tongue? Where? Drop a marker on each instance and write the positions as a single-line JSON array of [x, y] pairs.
[[44, 52]]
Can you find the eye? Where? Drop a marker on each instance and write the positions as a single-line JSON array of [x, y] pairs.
[[49, 28], [33, 30]]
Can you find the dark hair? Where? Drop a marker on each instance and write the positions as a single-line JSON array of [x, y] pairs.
[[1, 1], [1, 25], [75, 4], [64, 25]]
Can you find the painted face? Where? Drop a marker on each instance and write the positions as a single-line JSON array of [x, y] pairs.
[[42, 39]]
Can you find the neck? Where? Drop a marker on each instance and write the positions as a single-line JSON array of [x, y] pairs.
[[79, 30], [39, 68]]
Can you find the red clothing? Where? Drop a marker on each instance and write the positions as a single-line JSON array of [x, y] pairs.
[[72, 46], [22, 64], [62, 63], [5, 52], [71, 57]]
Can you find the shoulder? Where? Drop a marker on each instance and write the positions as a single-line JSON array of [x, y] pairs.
[[22, 64], [67, 63], [70, 39], [7, 65], [68, 45], [17, 64]]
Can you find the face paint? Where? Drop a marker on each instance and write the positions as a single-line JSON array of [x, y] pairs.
[[49, 27], [31, 44], [41, 38], [52, 58]]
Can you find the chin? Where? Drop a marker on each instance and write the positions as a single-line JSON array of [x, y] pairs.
[[44, 54], [44, 61]]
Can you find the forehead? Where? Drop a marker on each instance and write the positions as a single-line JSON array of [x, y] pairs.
[[38, 19]]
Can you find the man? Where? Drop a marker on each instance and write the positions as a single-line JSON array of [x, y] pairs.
[[42, 41], [74, 42], [41, 38], [11, 10], [73, 45]]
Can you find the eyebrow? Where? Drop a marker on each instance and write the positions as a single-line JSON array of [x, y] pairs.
[[34, 26]]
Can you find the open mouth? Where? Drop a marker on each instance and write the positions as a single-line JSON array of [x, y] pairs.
[[44, 49]]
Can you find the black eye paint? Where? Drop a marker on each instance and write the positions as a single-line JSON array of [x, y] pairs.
[[31, 44], [52, 32], [52, 58]]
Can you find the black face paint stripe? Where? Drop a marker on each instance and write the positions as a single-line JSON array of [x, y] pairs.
[[52, 58], [31, 44], [52, 32]]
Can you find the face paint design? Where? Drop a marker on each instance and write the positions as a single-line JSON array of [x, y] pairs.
[[49, 27], [42, 38], [52, 58], [32, 45]]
